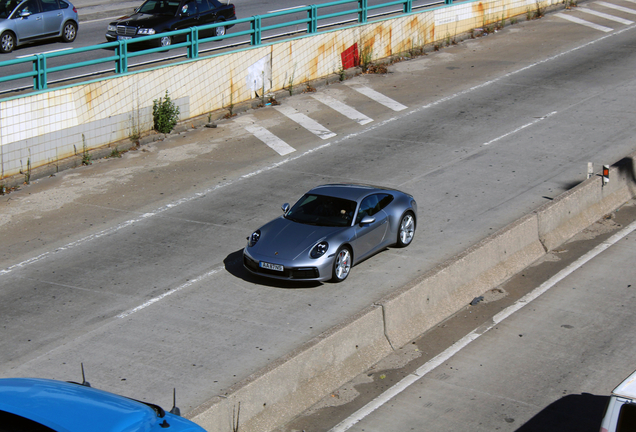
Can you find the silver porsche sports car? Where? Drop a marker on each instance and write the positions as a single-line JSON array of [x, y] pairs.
[[331, 228]]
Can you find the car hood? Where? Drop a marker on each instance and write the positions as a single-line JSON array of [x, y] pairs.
[[143, 20], [286, 240]]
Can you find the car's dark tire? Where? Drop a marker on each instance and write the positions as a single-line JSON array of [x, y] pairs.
[[7, 42], [406, 230], [69, 32], [341, 264], [221, 30]]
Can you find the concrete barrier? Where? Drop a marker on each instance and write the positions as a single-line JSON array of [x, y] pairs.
[[275, 395]]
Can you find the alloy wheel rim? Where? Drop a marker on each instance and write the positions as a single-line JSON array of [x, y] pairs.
[[70, 32], [343, 264], [7, 43], [406, 229]]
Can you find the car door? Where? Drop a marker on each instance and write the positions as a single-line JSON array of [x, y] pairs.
[[188, 15], [370, 236], [52, 17], [28, 20]]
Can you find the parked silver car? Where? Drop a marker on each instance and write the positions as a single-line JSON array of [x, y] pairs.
[[31, 20], [331, 228]]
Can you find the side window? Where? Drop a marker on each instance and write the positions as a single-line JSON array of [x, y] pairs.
[[189, 8], [49, 5], [368, 207], [30, 6], [14, 423], [627, 418], [63, 4], [203, 5], [385, 200]]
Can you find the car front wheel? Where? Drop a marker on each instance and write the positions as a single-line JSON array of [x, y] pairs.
[[70, 32], [406, 231], [341, 264], [7, 42], [165, 41]]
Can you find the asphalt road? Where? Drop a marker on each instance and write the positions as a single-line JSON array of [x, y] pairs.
[[132, 265], [542, 352]]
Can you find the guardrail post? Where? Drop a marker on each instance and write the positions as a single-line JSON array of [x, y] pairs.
[[408, 6], [312, 16], [121, 51], [193, 38], [256, 30], [448, 2], [362, 11], [39, 67]]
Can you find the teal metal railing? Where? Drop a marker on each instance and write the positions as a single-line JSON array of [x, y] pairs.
[[40, 70]]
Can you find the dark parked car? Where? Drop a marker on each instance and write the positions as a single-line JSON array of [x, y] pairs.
[[160, 16], [331, 228], [44, 405], [32, 20]]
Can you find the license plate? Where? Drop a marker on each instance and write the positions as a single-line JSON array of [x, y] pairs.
[[276, 267], [124, 37]]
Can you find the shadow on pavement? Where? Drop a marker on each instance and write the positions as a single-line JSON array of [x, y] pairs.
[[574, 413]]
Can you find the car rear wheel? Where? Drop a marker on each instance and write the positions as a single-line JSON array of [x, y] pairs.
[[342, 264], [219, 31], [7, 42], [406, 231], [70, 32]]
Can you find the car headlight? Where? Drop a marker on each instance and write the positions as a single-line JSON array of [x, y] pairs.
[[146, 31], [252, 239], [319, 250], [112, 28]]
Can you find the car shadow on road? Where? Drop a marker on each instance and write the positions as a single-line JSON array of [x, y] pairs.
[[575, 412], [234, 265]]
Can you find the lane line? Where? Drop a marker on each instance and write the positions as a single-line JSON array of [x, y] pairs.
[[606, 16], [583, 22], [275, 143], [463, 342], [308, 123], [343, 108], [377, 96], [521, 128], [616, 7]]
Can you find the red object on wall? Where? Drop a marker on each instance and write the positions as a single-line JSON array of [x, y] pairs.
[[350, 57]]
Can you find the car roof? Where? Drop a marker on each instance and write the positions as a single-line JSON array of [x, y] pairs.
[[348, 191], [73, 407], [627, 388]]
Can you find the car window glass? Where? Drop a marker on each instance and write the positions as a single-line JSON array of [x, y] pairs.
[[49, 5], [189, 8], [6, 7], [63, 4], [214, 3], [369, 206], [30, 6], [627, 418], [322, 210], [385, 200], [159, 7], [10, 422], [203, 5]]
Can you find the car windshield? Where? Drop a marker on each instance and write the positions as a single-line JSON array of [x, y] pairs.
[[6, 7], [322, 210], [159, 7]]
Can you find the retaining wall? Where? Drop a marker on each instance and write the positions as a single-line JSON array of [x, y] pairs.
[[275, 395], [47, 127]]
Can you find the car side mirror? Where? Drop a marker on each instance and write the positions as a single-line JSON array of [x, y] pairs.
[[25, 14], [367, 220], [285, 207]]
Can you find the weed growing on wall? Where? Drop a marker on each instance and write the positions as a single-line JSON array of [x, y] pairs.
[[165, 114]]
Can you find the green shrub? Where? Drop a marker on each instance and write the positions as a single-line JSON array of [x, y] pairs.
[[165, 114]]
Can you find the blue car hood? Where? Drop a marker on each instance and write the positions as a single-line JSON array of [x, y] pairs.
[[286, 240]]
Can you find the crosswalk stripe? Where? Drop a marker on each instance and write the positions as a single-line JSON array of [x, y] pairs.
[[343, 109], [618, 8], [583, 22], [275, 143], [378, 97], [306, 122], [606, 16]]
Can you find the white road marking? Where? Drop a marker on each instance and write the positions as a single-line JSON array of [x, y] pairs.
[[342, 108], [45, 52], [583, 22], [521, 128], [463, 342], [606, 16], [275, 143], [287, 9], [615, 7], [311, 125], [377, 96]]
